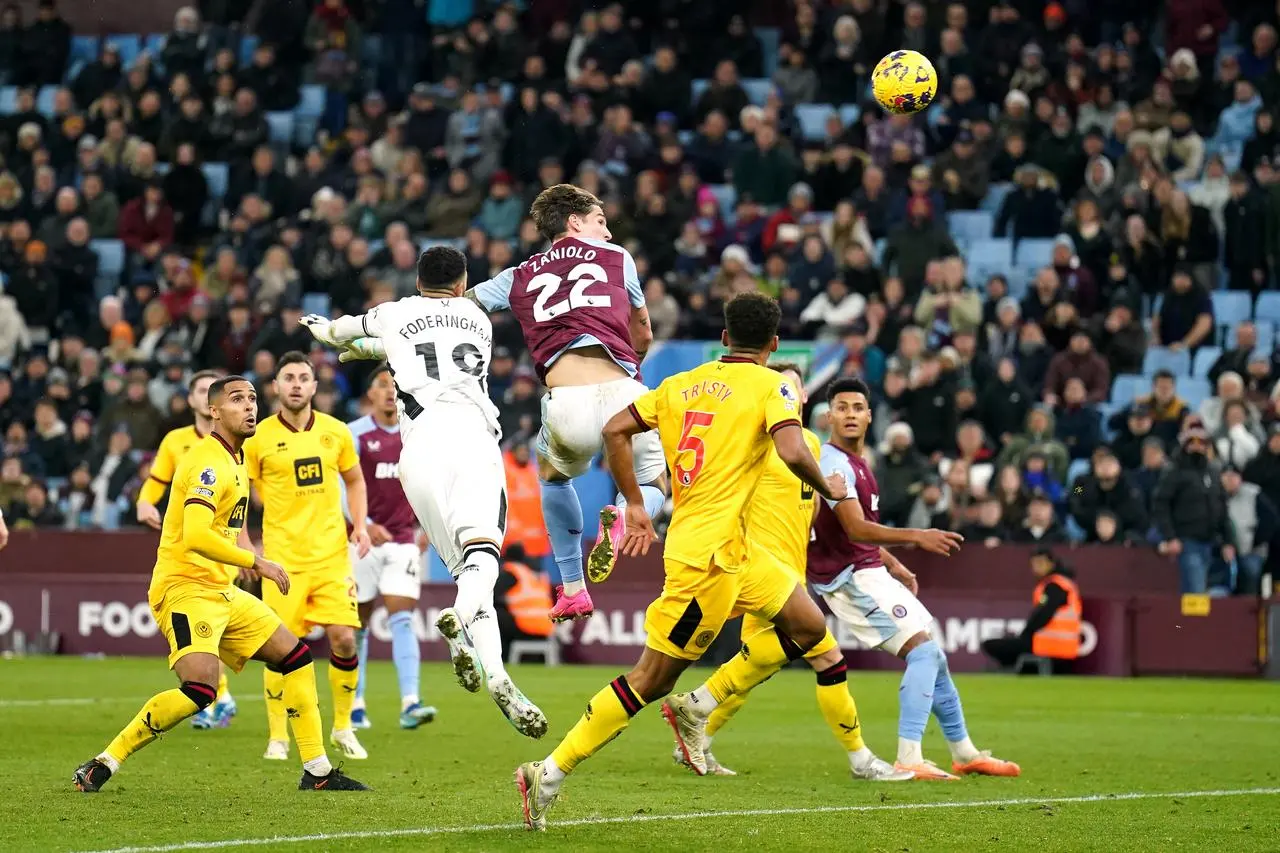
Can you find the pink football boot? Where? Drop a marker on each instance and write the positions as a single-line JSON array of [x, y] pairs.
[[568, 607]]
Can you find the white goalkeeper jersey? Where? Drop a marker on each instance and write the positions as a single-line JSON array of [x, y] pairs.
[[439, 352]]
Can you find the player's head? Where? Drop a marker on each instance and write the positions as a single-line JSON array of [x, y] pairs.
[[442, 268], [233, 406], [564, 210], [751, 323], [795, 373], [198, 391], [850, 413], [295, 381], [382, 390]]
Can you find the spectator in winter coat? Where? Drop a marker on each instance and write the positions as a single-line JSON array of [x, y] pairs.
[[474, 137], [795, 78], [1033, 210], [1078, 426], [450, 212], [501, 211], [1004, 402], [1185, 319], [1255, 522], [1178, 148], [1100, 186], [1235, 123], [1245, 250], [1041, 526], [1230, 387], [914, 244], [884, 134], [900, 471], [932, 508], [833, 310], [1078, 361], [146, 223], [1195, 25], [1264, 469], [1038, 437], [764, 170], [1189, 509], [989, 528], [1235, 441], [1122, 342], [1106, 488]]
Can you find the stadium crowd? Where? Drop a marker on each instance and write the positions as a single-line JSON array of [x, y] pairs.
[[1059, 279]]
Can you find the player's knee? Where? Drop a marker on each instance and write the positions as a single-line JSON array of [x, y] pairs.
[[295, 660], [799, 639], [342, 641], [202, 695]]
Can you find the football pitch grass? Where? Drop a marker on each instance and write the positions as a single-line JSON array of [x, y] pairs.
[[1141, 765]]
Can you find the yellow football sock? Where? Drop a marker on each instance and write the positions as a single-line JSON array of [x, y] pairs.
[[224, 692], [301, 706], [344, 676], [724, 713], [277, 718], [161, 713], [838, 707], [761, 656], [608, 713]]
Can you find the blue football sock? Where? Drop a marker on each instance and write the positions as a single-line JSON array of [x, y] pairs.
[[405, 651], [563, 515], [362, 645], [946, 705], [653, 500], [915, 694]]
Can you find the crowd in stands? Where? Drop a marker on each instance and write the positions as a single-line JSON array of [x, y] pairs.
[[1059, 280]]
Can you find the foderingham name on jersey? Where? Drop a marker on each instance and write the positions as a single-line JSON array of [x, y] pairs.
[[431, 322]]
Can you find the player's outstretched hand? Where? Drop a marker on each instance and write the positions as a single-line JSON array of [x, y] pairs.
[[318, 327], [838, 485], [148, 515], [640, 533], [360, 538], [274, 572], [944, 542]]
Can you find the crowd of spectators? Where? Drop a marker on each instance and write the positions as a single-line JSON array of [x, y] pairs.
[[1138, 137]]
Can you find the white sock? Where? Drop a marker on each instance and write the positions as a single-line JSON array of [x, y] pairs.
[[224, 696], [860, 758], [357, 704], [703, 702], [909, 752], [406, 701], [108, 759], [551, 772], [475, 607], [574, 587], [963, 751], [318, 766]]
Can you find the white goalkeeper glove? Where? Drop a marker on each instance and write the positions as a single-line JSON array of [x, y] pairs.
[[319, 328], [361, 349]]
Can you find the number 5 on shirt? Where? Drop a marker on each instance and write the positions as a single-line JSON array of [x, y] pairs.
[[691, 443]]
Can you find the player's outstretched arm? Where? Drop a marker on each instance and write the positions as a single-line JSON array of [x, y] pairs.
[[618, 433], [859, 529], [794, 451]]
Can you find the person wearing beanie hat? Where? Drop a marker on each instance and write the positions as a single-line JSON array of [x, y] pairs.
[[1189, 510]]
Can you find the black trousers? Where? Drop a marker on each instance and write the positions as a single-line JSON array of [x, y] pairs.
[[1006, 650]]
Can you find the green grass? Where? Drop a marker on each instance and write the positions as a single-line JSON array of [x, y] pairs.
[[1073, 737]]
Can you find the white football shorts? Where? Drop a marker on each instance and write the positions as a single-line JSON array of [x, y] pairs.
[[392, 568], [881, 612], [573, 418], [452, 473]]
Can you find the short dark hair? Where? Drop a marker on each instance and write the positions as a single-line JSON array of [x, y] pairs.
[[440, 267], [1162, 373], [220, 385], [788, 367], [751, 320], [848, 385], [207, 373], [294, 356], [554, 205], [382, 368]]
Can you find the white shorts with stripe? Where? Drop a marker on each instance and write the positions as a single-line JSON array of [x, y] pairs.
[[881, 612]]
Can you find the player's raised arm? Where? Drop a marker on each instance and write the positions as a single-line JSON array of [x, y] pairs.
[[788, 440], [618, 433], [859, 529]]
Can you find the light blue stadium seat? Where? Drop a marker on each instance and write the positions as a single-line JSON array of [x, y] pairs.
[[878, 250], [312, 101], [1127, 387], [304, 130], [758, 90], [248, 44], [996, 251], [812, 119], [770, 39], [153, 44], [1105, 411], [1177, 362], [44, 100], [281, 125], [110, 256], [1019, 279], [970, 225], [1077, 468], [726, 197], [1034, 253], [84, 48], [1266, 335], [215, 174], [995, 197], [1204, 359], [1193, 390], [450, 242], [316, 303], [1231, 307], [849, 114], [698, 87], [1268, 307], [8, 99], [129, 46]]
